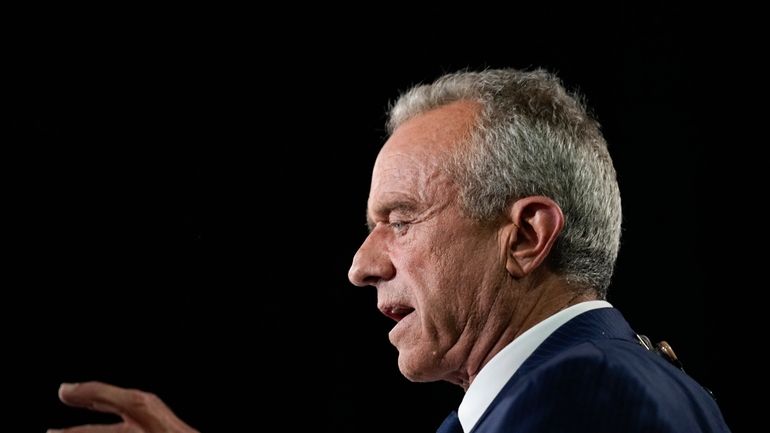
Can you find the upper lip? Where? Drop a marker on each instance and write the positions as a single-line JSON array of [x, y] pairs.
[[396, 311]]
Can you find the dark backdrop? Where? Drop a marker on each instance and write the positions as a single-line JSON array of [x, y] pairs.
[[184, 206]]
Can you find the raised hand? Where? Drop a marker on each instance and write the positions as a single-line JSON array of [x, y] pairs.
[[142, 412]]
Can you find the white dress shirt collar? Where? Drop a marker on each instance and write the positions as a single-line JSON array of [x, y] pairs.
[[496, 373]]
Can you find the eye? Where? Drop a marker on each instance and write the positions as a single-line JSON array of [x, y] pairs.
[[399, 226]]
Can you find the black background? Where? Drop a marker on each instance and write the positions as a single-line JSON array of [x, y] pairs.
[[183, 203]]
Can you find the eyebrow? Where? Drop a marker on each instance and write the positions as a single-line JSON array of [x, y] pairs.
[[387, 208]]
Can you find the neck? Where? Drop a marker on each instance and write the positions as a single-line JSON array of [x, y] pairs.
[[528, 307]]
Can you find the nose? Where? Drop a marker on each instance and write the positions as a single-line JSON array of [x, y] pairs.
[[371, 264]]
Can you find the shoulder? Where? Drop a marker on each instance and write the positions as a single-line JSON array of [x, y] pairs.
[[606, 385], [609, 360]]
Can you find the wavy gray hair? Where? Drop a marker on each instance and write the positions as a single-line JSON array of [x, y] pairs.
[[532, 138]]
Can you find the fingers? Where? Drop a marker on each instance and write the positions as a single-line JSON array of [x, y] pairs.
[[141, 410], [97, 396], [101, 428]]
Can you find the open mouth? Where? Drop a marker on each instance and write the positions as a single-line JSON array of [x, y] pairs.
[[397, 312]]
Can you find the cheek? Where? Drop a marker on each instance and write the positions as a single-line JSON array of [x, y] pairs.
[[429, 275], [464, 272], [444, 284], [433, 269], [443, 271]]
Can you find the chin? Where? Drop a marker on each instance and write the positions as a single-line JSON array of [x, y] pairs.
[[418, 367]]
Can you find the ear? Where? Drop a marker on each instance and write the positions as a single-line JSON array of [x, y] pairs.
[[534, 224]]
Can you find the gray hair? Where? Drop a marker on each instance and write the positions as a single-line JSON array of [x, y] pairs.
[[532, 138]]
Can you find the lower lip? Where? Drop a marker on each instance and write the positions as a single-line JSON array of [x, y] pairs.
[[401, 326]]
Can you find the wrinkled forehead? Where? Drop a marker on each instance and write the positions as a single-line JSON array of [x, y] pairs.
[[410, 173], [411, 163], [439, 130], [423, 142]]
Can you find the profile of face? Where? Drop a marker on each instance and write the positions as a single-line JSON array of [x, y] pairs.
[[437, 272]]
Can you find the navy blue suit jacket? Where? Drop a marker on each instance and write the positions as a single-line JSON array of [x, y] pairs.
[[592, 375]]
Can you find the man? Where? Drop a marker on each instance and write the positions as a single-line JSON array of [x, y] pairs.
[[495, 224], [494, 217]]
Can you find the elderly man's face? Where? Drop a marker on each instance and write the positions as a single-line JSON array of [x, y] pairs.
[[437, 272]]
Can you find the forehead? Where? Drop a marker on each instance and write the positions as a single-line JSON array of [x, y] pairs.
[[435, 131], [408, 166]]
